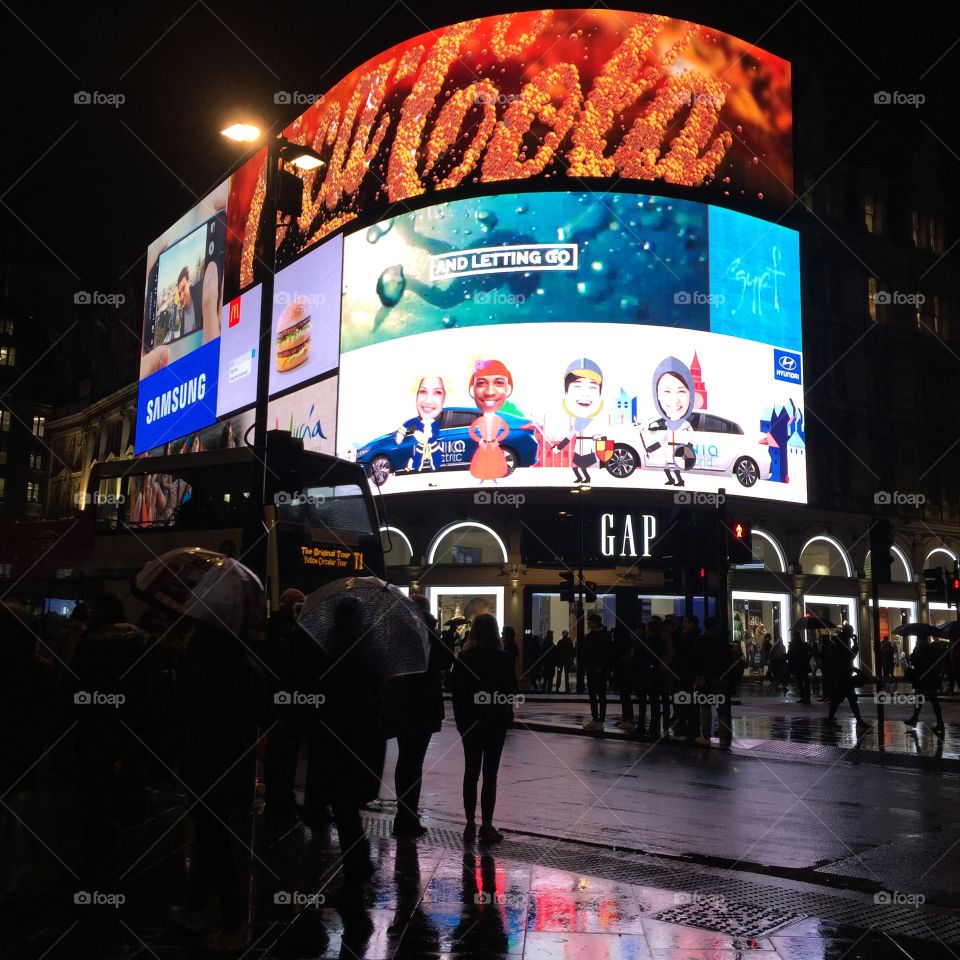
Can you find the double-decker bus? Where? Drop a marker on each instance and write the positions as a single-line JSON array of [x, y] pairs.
[[318, 521]]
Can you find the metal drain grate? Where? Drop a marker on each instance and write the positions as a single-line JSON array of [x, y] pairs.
[[733, 919], [835, 907]]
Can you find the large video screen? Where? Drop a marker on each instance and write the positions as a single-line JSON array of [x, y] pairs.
[[180, 348], [582, 94], [306, 317], [542, 339]]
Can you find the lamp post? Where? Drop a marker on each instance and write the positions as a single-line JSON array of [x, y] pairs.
[[279, 151]]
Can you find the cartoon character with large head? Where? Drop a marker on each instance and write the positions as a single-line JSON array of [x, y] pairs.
[[425, 427], [583, 401], [491, 385], [673, 398]]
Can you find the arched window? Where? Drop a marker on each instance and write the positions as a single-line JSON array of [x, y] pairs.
[[823, 556], [767, 551], [397, 549], [467, 542], [900, 571], [940, 557]]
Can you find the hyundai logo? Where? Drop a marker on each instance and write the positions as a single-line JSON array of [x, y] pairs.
[[787, 363]]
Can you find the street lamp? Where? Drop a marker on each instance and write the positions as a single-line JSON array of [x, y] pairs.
[[280, 151]]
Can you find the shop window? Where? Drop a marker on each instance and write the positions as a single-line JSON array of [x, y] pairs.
[[824, 558], [467, 543]]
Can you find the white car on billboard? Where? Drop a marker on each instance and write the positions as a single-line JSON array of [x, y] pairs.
[[718, 446]]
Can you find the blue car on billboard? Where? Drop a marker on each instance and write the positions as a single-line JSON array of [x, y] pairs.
[[384, 456]]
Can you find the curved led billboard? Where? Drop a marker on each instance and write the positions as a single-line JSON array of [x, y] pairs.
[[578, 94], [606, 288], [540, 339]]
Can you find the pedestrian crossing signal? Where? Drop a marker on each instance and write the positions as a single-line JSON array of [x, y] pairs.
[[740, 542], [953, 589]]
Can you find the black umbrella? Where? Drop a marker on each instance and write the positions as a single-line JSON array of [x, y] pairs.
[[916, 630], [378, 627], [810, 622], [456, 622]]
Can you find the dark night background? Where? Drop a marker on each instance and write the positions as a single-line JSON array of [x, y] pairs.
[[85, 188]]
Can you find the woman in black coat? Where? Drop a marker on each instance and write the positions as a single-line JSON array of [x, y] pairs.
[[414, 709], [484, 691]]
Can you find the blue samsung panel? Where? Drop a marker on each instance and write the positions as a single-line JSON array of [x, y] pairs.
[[178, 399]]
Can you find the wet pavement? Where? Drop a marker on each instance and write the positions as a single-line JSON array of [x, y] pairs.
[[794, 844], [439, 897]]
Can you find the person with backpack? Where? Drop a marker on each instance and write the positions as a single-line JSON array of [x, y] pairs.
[[596, 653], [484, 691]]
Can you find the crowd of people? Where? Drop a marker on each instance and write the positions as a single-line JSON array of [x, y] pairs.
[[123, 708]]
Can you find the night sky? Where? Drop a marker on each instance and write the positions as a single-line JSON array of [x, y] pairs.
[[86, 187]]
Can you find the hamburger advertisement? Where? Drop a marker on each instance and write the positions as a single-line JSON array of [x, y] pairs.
[[293, 335], [306, 318]]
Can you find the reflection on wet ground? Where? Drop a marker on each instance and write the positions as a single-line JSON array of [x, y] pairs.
[[430, 901], [765, 732]]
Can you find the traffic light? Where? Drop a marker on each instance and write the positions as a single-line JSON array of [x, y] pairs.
[[567, 592], [881, 538], [953, 587], [935, 582], [739, 542], [589, 592]]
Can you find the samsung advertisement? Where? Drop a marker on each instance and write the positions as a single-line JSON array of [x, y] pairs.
[[545, 339]]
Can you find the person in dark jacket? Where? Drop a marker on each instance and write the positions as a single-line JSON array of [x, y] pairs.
[[548, 661], [564, 661], [109, 695], [595, 651], [224, 709], [798, 657], [714, 681], [283, 744], [510, 645], [416, 705], [927, 661], [887, 659], [347, 743], [839, 653], [625, 676], [684, 670], [484, 691]]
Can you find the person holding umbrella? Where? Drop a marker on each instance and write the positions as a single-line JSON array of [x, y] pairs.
[[840, 654], [415, 707], [926, 663], [223, 710], [365, 632], [484, 690]]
